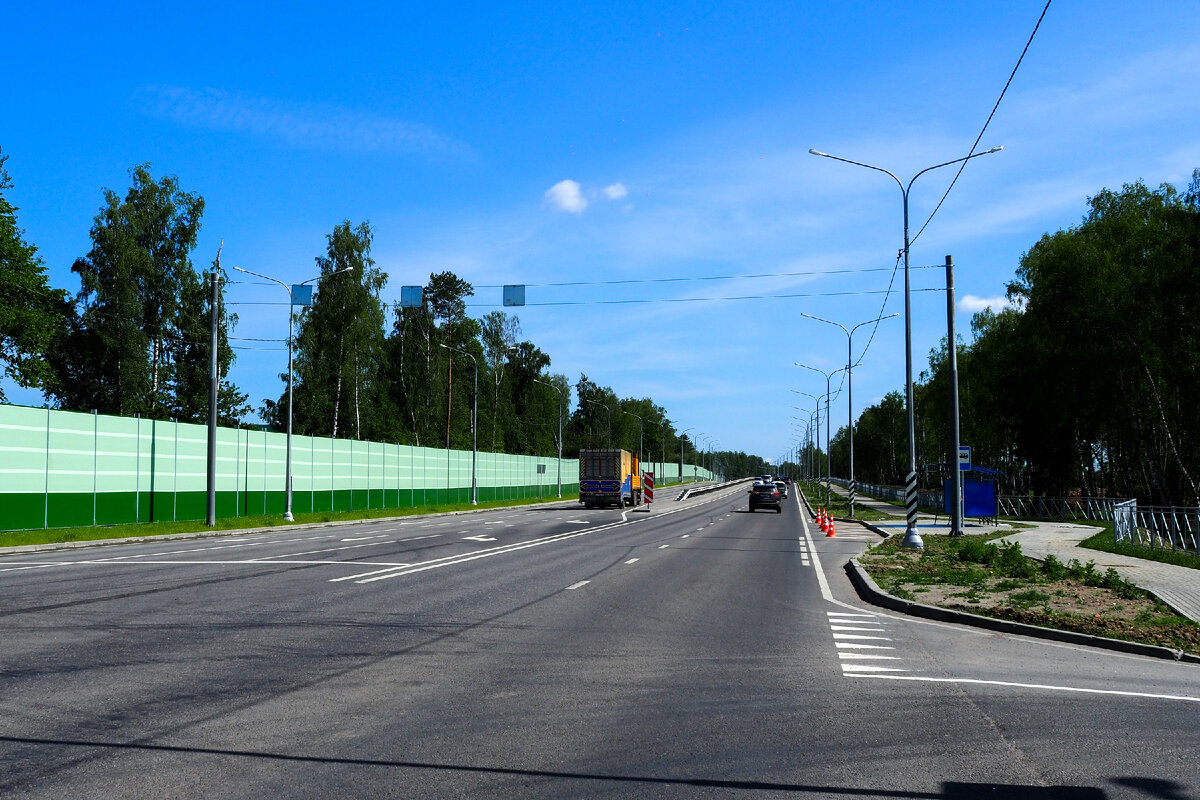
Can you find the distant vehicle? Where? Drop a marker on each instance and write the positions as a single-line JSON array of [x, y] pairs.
[[765, 479], [782, 488], [766, 495], [609, 477]]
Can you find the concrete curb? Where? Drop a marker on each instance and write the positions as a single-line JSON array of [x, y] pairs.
[[870, 591], [706, 489], [304, 526]]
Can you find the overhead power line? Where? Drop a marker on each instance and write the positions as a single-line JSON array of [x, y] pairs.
[[701, 278], [1003, 91], [646, 301]]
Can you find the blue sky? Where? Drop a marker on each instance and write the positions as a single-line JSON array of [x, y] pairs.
[[543, 143]]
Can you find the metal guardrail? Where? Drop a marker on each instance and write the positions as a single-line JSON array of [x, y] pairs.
[[930, 501], [1066, 508], [1166, 527]]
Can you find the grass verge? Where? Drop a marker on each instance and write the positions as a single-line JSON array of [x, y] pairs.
[[100, 533], [979, 576], [1105, 542], [838, 505]]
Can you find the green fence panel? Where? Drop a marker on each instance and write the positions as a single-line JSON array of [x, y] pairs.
[[67, 469]]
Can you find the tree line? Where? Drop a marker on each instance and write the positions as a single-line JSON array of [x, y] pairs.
[[1084, 384], [135, 339], [1087, 382]]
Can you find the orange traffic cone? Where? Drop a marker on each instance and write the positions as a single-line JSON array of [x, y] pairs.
[[829, 532], [821, 518]]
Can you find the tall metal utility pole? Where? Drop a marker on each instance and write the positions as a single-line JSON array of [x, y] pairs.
[[210, 517], [956, 521]]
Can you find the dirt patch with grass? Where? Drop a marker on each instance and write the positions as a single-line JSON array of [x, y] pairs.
[[977, 576]]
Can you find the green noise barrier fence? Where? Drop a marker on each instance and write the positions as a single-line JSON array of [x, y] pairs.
[[66, 469]]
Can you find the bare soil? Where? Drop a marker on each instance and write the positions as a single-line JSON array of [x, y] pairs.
[[1065, 604]]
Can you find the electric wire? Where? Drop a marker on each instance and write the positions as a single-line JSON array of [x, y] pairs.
[[1007, 83], [732, 298], [696, 278]]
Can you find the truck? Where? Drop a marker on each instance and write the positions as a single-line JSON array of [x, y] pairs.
[[609, 477]]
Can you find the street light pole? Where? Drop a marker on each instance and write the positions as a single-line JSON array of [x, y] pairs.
[[474, 427], [681, 452], [287, 511], [562, 397], [640, 430], [662, 442], [912, 539], [850, 386], [815, 464], [702, 440], [828, 438]]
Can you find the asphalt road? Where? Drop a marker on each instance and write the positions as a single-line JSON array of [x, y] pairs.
[[550, 652]]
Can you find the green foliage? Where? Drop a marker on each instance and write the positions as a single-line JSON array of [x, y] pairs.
[[31, 313], [340, 344], [1105, 542], [193, 366], [977, 551], [1088, 381], [1110, 579], [131, 342], [1027, 598], [1053, 569], [1014, 564]]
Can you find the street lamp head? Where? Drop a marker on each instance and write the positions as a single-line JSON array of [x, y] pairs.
[[817, 152], [996, 149]]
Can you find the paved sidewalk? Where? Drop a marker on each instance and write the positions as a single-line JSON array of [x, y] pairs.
[[1178, 587]]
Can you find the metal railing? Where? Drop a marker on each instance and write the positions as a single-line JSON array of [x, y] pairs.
[[1091, 509], [1167, 527]]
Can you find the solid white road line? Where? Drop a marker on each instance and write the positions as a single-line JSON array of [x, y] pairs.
[[855, 636], [851, 668], [858, 646], [447, 561], [372, 572], [1041, 686], [856, 628], [867, 655]]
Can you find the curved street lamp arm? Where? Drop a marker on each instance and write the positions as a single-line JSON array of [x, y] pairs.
[[943, 164], [868, 166]]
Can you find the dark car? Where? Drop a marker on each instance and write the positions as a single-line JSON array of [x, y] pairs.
[[766, 495]]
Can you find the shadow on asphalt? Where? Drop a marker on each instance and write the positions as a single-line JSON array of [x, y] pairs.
[[951, 790]]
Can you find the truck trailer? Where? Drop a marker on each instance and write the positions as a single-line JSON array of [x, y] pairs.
[[609, 477]]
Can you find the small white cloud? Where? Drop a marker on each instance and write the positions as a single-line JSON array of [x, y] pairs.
[[975, 304], [616, 191], [568, 196]]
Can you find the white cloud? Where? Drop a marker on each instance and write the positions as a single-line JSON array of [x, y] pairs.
[[975, 304], [568, 196], [319, 126], [616, 191]]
